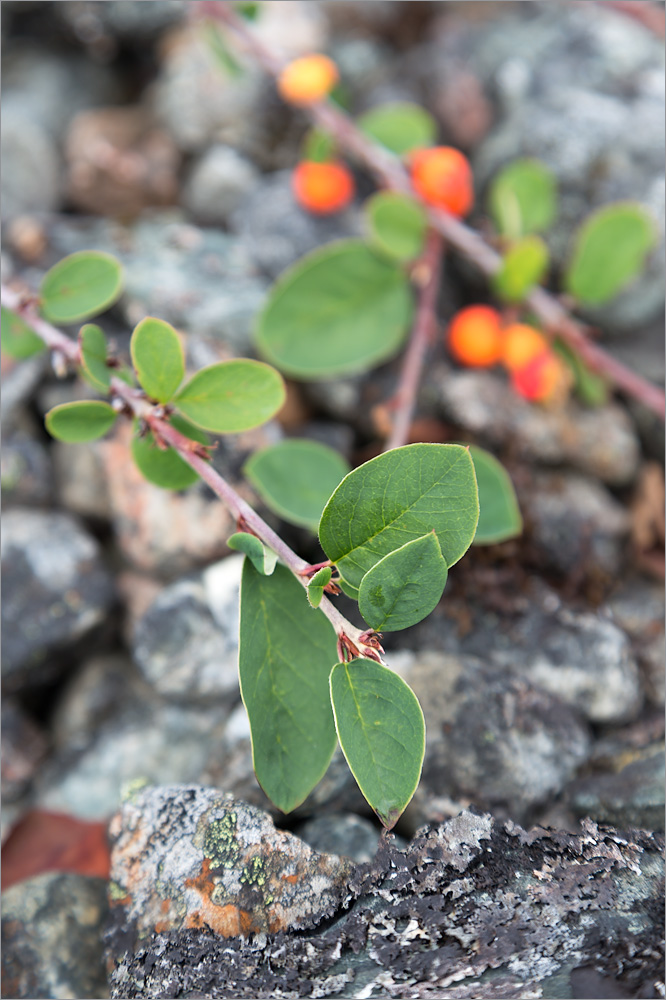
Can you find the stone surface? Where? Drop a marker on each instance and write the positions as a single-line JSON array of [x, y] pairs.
[[276, 232], [345, 834], [575, 524], [506, 911], [80, 481], [494, 739], [601, 443], [27, 471], [56, 590], [31, 167], [24, 745], [638, 607], [51, 938], [184, 651], [191, 857], [216, 184], [128, 21]]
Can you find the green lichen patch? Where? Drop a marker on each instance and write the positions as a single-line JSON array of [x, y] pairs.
[[220, 844]]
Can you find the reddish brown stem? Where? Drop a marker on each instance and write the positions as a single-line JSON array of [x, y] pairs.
[[404, 402], [650, 15], [390, 172]]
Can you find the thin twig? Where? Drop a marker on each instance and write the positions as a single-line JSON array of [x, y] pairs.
[[134, 401], [429, 270], [390, 172]]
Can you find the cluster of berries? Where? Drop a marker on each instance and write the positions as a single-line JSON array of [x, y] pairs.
[[441, 175], [477, 337]]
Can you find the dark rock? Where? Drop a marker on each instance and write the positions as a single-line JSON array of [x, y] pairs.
[[56, 590], [80, 480], [575, 523], [51, 937], [216, 184], [494, 739], [507, 911], [23, 747], [638, 608], [341, 833], [19, 381], [128, 21], [27, 473], [276, 232]]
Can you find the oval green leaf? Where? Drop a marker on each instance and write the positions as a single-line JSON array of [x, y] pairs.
[[397, 497], [263, 559], [166, 469], [340, 310], [79, 286], [405, 586], [18, 340], [80, 421], [382, 734], [232, 396], [499, 516], [523, 198], [609, 250], [158, 359], [399, 126], [94, 352], [592, 389], [317, 584], [285, 656], [523, 266], [397, 224], [295, 478]]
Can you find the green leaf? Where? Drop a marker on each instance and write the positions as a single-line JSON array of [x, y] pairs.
[[318, 146], [81, 421], [232, 396], [219, 50], [285, 657], [523, 266], [341, 309], [397, 224], [317, 584], [400, 126], [499, 516], [403, 587], [79, 286], [94, 352], [523, 198], [591, 388], [609, 250], [347, 589], [382, 734], [166, 468], [263, 559], [397, 497], [18, 340], [295, 478], [250, 11], [157, 356]]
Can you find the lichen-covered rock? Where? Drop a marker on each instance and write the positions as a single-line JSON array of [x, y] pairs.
[[52, 938], [56, 589], [192, 857], [501, 911]]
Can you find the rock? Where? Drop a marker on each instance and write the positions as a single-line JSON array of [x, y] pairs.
[[56, 590], [341, 833], [638, 608], [185, 652], [19, 381], [492, 738], [199, 280], [127, 21], [81, 485], [599, 442], [119, 163], [51, 937], [574, 522], [191, 857], [276, 232], [27, 473], [31, 168], [23, 748], [469, 909], [216, 183]]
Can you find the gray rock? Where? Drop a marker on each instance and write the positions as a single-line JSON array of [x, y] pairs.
[[216, 183], [599, 442], [24, 746], [624, 786], [341, 833], [185, 652], [122, 19], [276, 232], [56, 590], [186, 856], [469, 909], [52, 937], [493, 738], [80, 481], [638, 608], [31, 174], [27, 473], [200, 280], [575, 523]]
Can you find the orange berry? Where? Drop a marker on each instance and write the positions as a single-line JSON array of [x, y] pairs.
[[322, 188], [542, 379], [443, 178], [475, 336], [308, 79], [521, 343]]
